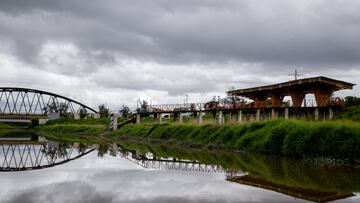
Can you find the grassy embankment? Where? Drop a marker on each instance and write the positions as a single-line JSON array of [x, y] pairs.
[[15, 130], [293, 138], [85, 130], [336, 139]]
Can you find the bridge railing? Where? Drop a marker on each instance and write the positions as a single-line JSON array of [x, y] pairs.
[[196, 107]]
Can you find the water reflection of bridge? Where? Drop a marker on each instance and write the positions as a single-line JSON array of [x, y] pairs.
[[22, 156], [151, 161]]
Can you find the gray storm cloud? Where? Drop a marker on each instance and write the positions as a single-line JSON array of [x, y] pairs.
[[184, 41]]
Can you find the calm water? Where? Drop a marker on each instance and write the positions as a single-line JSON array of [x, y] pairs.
[[128, 172]]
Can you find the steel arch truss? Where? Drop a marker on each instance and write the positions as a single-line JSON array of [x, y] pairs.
[[23, 101], [21, 157]]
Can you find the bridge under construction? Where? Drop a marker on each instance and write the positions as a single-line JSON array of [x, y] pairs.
[[263, 102]]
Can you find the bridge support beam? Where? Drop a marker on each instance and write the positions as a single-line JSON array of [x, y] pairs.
[[240, 116], [76, 116], [220, 118], [257, 114], [180, 117], [286, 113], [200, 121], [297, 98], [138, 118], [113, 122]]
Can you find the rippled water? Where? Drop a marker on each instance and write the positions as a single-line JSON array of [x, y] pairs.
[[129, 172]]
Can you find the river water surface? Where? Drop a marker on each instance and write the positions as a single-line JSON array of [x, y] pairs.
[[48, 171]]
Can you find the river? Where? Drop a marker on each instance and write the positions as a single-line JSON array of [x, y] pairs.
[[49, 171]]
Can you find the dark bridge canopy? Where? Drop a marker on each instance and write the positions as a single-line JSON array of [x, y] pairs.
[[321, 87], [25, 101]]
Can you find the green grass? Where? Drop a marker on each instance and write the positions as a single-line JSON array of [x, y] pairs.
[[336, 139], [91, 121], [63, 128]]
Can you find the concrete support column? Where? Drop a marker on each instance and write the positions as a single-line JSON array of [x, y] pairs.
[[240, 116], [322, 97], [180, 117], [115, 122], [138, 118], [257, 114], [316, 114], [76, 116], [273, 114], [160, 117], [200, 118], [286, 113], [230, 116], [297, 98], [220, 119], [276, 100], [331, 113]]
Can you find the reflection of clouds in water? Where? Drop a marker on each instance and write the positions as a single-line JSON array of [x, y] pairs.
[[62, 192], [113, 179]]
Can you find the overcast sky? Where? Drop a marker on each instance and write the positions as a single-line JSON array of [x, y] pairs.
[[116, 51]]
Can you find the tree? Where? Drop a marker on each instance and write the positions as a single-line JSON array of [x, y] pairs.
[[125, 111], [83, 113], [55, 107], [63, 109], [352, 101], [104, 112], [144, 107]]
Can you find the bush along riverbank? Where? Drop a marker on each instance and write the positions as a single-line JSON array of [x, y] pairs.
[[292, 138]]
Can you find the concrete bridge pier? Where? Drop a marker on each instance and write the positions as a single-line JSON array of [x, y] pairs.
[[220, 118], [113, 122], [159, 118], [180, 118], [257, 114], [200, 119], [240, 116], [286, 113], [138, 118]]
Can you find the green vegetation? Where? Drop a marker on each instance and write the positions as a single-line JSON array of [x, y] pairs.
[[90, 121], [70, 128], [336, 139], [351, 113], [104, 111], [293, 173], [352, 101], [15, 130]]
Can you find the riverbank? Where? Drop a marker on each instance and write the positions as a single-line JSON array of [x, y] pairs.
[[85, 130], [338, 139], [291, 138]]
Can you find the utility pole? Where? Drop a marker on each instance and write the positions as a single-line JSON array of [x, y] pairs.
[[296, 74]]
